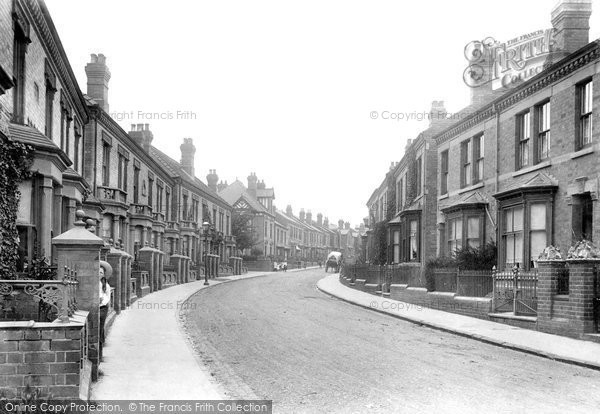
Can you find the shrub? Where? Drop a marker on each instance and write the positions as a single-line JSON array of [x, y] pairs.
[[466, 258], [15, 159]]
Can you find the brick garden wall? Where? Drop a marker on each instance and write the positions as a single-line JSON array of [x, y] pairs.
[[45, 356]]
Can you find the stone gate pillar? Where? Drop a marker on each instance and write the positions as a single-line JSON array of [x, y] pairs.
[[583, 260], [79, 249], [114, 258], [146, 261]]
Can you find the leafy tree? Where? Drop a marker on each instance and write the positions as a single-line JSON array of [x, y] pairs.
[[380, 243], [243, 230]]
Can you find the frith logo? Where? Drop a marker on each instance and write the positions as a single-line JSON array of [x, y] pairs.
[[510, 63]]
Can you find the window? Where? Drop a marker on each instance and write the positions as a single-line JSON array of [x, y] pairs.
[[537, 232], [474, 232], [455, 234], [19, 50], [513, 236], [50, 81], [159, 199], [413, 243], [543, 136], [76, 150], [62, 127], [121, 171], [136, 183], [444, 173], [125, 173], [68, 134], [585, 114], [478, 154], [167, 204], [150, 190], [523, 135], [196, 209], [466, 157], [582, 217], [105, 164], [185, 207], [399, 195], [396, 246], [419, 174]]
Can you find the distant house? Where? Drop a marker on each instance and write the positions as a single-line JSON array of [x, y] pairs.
[[255, 201]]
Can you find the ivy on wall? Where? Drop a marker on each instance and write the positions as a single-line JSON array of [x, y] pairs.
[[15, 160]]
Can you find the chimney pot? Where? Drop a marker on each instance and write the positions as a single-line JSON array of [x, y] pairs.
[[188, 151], [98, 76], [144, 138], [571, 23]]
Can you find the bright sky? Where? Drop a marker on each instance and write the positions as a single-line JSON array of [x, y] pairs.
[[285, 89]]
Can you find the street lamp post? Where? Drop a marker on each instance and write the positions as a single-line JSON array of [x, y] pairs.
[[205, 227]]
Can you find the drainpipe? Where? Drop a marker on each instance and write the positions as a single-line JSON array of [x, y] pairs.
[[95, 135], [495, 110]]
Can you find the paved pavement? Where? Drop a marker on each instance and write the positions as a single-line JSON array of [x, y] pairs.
[[546, 345], [278, 337], [147, 355]]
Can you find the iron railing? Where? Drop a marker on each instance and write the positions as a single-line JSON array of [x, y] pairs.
[[515, 291], [59, 295]]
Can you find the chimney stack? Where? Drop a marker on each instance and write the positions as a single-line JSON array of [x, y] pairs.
[[142, 135], [309, 217], [261, 185], [252, 180], [188, 150], [437, 114], [326, 222], [302, 215], [320, 219], [347, 225], [340, 224], [212, 179], [288, 210], [571, 23], [98, 76], [222, 185]]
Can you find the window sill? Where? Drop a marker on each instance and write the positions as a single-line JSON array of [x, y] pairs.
[[471, 188], [535, 167], [443, 197], [582, 152]]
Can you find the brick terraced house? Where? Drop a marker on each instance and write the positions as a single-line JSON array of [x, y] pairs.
[[97, 192], [518, 168]]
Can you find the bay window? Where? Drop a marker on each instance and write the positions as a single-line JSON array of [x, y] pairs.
[[525, 228]]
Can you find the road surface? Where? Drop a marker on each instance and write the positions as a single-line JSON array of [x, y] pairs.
[[279, 338]]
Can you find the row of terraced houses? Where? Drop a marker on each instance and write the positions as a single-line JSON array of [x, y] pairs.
[[99, 192], [518, 167]]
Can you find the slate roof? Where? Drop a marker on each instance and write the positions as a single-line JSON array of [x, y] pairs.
[[467, 200], [540, 181], [175, 170], [236, 190], [265, 192], [30, 135]]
